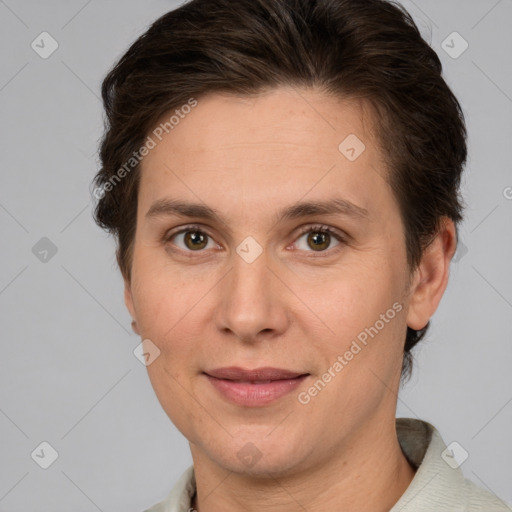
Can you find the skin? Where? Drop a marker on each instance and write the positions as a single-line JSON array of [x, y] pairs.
[[295, 307]]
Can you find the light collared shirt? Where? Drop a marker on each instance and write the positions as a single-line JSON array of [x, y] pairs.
[[438, 485]]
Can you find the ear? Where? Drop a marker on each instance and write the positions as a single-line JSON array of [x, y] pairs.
[[128, 300], [431, 277]]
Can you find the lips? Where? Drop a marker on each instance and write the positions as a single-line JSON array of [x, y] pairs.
[[266, 374], [254, 388]]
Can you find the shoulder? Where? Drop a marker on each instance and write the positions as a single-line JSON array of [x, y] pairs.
[[439, 483], [481, 500]]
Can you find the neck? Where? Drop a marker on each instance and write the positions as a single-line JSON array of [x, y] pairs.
[[368, 475]]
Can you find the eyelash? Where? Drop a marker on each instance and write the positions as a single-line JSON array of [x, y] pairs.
[[318, 228]]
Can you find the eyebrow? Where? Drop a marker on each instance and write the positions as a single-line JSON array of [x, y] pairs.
[[168, 207]]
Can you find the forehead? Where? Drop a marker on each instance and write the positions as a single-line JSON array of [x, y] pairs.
[[279, 116], [273, 148]]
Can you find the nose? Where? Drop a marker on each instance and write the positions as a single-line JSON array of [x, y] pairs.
[[252, 305]]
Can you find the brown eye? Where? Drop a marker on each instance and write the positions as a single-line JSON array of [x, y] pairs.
[[195, 240], [318, 239], [191, 239]]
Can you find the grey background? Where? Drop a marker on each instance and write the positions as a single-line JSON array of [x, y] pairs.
[[68, 373]]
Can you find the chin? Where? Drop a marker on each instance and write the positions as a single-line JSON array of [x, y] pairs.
[[260, 456]]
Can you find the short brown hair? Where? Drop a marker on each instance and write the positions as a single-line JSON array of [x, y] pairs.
[[369, 49]]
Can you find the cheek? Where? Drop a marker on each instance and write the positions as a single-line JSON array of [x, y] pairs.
[[355, 297], [368, 320], [364, 310], [168, 313], [163, 300], [168, 377]]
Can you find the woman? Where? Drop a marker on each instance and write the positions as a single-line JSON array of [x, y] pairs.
[[282, 178]]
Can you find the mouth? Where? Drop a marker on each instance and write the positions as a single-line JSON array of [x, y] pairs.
[[252, 388]]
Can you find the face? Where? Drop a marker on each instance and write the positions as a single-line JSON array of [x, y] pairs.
[[262, 283]]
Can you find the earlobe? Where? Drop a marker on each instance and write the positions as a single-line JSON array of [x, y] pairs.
[[431, 276]]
